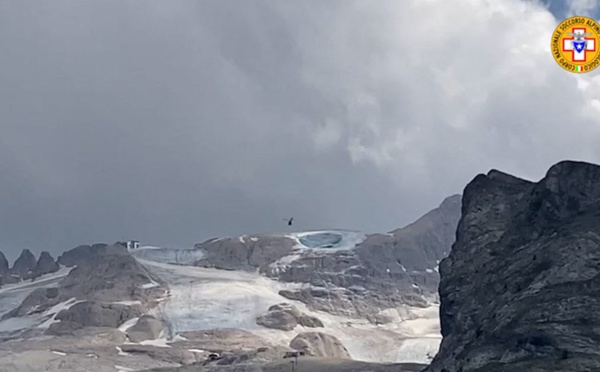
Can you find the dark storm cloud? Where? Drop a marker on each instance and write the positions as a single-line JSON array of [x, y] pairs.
[[177, 121]]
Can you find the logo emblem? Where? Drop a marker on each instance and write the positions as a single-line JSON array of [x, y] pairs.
[[575, 44]]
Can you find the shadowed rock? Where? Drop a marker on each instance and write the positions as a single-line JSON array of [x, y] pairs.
[[519, 290], [3, 264], [146, 328], [25, 264], [319, 344], [45, 265]]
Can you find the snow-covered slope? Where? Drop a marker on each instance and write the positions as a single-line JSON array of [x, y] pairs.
[[204, 298]]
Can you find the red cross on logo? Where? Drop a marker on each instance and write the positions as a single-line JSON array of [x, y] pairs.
[[569, 45]]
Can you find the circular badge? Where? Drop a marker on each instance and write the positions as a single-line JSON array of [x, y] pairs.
[[575, 44]]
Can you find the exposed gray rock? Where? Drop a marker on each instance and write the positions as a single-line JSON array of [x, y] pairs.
[[95, 314], [111, 277], [222, 339], [146, 328], [173, 355], [286, 317], [244, 253], [3, 264], [278, 319], [519, 289], [45, 265], [25, 264], [38, 301], [82, 254], [319, 345]]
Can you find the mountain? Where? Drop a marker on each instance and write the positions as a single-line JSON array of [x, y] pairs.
[[520, 288], [348, 273], [343, 299]]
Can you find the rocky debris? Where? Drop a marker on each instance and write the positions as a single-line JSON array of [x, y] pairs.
[[166, 354], [277, 319], [519, 287], [146, 328], [45, 265], [319, 344], [286, 317], [24, 265], [222, 339], [304, 364]]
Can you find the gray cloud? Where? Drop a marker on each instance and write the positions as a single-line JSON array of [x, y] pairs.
[[178, 121]]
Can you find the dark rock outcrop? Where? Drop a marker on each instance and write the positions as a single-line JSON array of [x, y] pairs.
[[319, 344], [24, 265], [45, 265], [94, 314], [520, 288], [85, 254], [286, 317], [3, 264]]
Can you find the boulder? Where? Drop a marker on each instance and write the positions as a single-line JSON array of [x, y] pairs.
[[319, 344], [278, 319], [286, 317], [146, 328]]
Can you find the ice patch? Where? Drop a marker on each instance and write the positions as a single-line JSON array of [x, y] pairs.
[[123, 369], [429, 271], [196, 351], [152, 284], [127, 303], [327, 240], [160, 342], [54, 310], [58, 353], [128, 324], [121, 352]]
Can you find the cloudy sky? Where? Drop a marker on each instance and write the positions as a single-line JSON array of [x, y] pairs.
[[176, 121]]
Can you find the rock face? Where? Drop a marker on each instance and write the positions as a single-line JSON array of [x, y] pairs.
[[146, 328], [25, 264], [319, 345], [349, 274], [3, 264], [45, 265], [519, 290], [286, 317], [109, 286], [94, 314]]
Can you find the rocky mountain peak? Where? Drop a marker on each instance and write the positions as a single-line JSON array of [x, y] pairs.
[[3, 264], [25, 263], [518, 288], [46, 264]]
